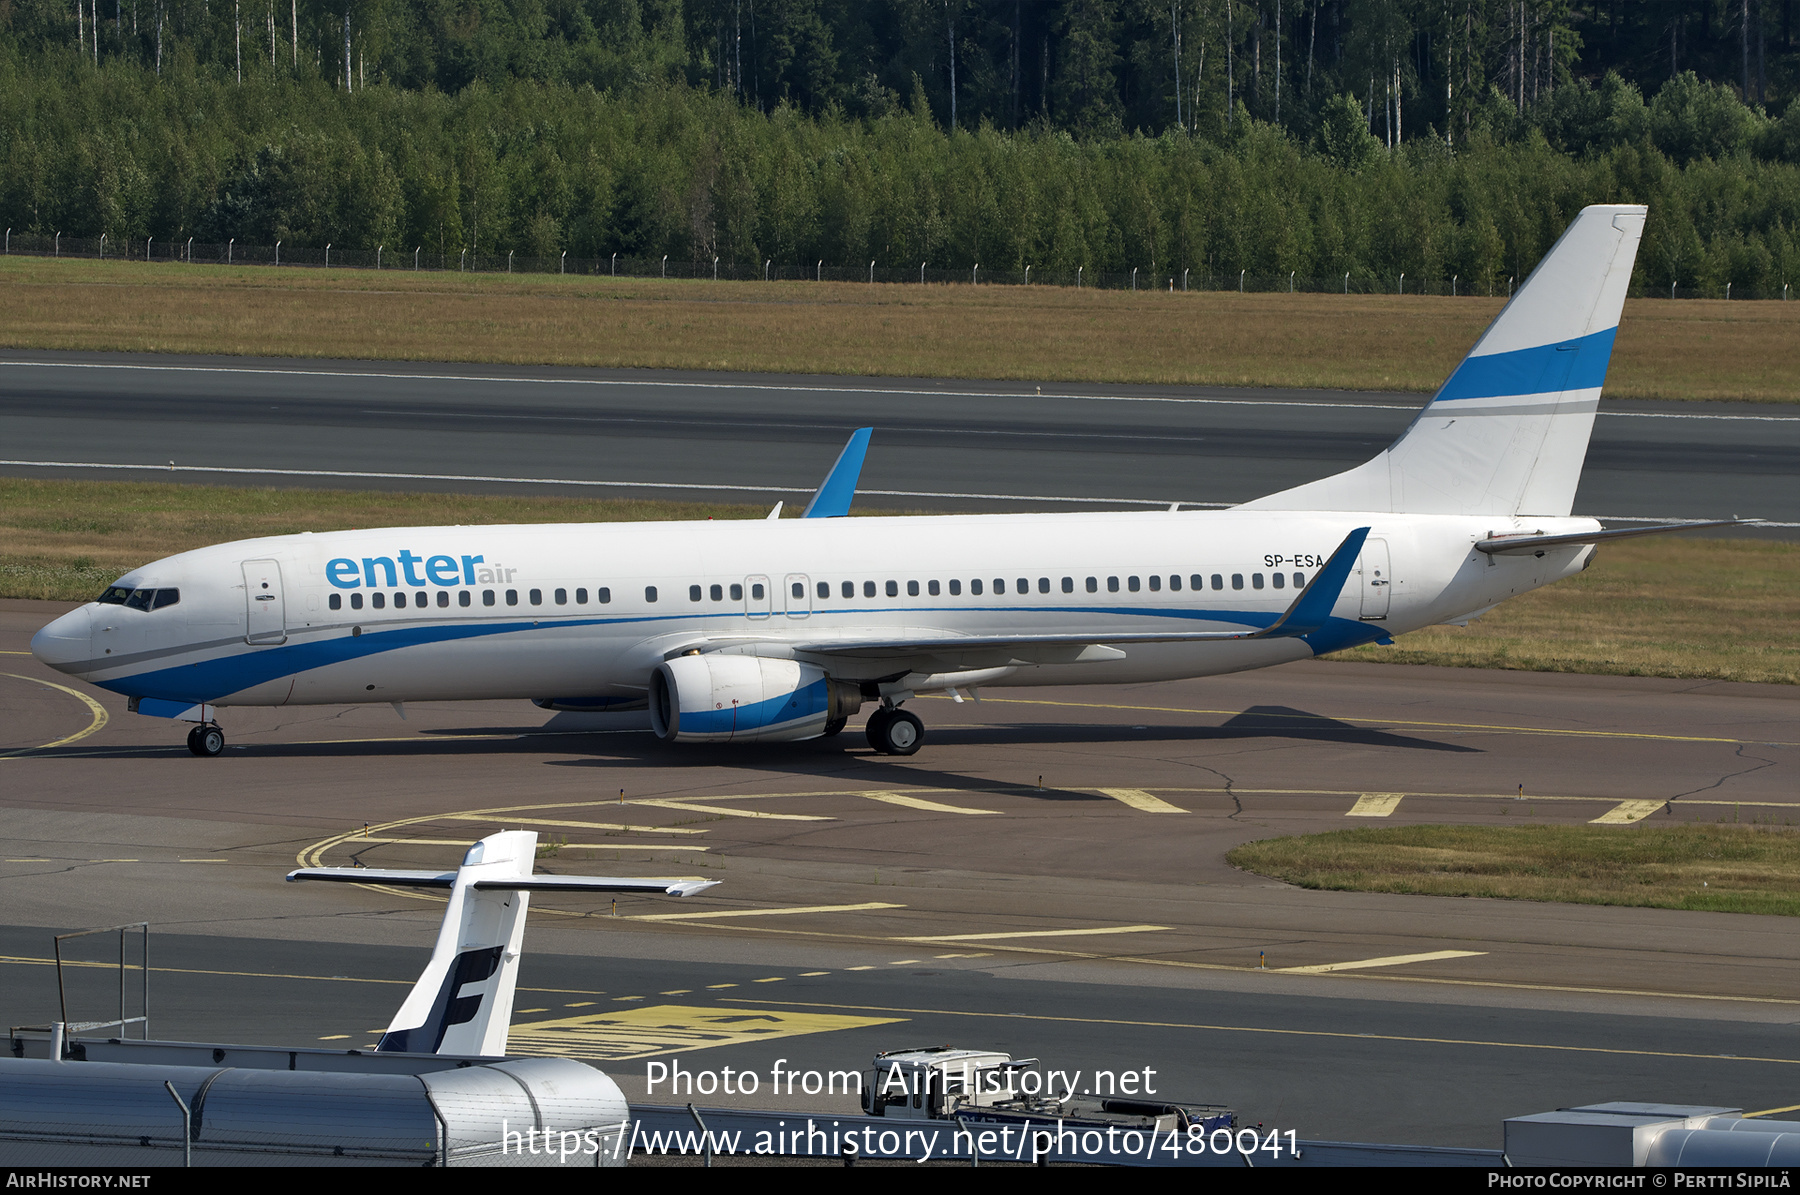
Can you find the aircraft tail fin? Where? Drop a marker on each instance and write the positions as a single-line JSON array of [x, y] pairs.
[[462, 1003], [1508, 432]]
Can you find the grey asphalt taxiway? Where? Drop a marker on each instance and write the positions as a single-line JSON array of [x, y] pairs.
[[939, 445], [1047, 876]]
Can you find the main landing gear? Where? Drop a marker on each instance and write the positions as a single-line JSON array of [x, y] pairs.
[[207, 739], [894, 731]]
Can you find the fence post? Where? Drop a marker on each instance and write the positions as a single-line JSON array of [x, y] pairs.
[[715, 267], [56, 245], [974, 274], [615, 265], [149, 244], [1240, 282], [921, 273], [871, 271], [1453, 279], [819, 271], [231, 247], [562, 263], [103, 258], [1133, 277], [462, 259], [1402, 281], [1346, 281], [378, 250], [416, 249], [665, 265], [1291, 274], [1078, 270], [1727, 285], [766, 269], [277, 252], [509, 254], [1027, 275], [1184, 275], [1509, 282], [190, 251]]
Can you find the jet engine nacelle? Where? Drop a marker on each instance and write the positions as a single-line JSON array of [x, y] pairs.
[[718, 697]]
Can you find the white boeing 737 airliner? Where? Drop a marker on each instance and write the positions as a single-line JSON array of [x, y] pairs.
[[782, 630]]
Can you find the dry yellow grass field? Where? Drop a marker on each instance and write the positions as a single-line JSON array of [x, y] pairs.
[[1662, 606], [1672, 350], [1723, 868], [1685, 607]]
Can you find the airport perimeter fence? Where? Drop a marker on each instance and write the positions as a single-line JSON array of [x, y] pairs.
[[1151, 278]]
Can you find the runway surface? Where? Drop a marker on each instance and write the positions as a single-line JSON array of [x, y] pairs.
[[939, 445], [1047, 876]]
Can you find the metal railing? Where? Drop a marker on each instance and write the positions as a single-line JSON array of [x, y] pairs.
[[190, 251]]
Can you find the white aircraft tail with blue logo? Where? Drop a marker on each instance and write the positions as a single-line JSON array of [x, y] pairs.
[[463, 1001], [1508, 433]]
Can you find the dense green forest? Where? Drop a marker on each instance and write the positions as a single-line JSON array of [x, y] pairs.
[[1321, 137]]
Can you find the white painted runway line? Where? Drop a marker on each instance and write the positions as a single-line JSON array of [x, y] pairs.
[[1393, 960], [820, 388]]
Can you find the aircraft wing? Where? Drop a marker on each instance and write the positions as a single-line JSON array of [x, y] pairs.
[[897, 649]]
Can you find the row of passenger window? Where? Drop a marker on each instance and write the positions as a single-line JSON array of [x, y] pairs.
[[422, 599], [464, 597], [1020, 585]]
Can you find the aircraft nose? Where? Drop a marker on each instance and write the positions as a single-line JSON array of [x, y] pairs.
[[67, 644]]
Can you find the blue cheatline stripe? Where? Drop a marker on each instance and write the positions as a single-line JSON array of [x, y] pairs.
[[1544, 369], [839, 489], [209, 680], [789, 707]]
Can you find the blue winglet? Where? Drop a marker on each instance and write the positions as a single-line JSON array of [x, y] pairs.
[[1313, 607], [839, 489]]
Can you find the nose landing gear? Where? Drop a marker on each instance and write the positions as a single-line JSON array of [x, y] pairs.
[[206, 740], [894, 731]]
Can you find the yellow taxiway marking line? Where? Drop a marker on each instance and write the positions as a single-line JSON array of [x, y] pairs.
[[1037, 933], [335, 1037], [1773, 1111], [1319, 1033], [202, 860], [31, 860], [1137, 798], [551, 821], [1592, 734], [14, 653], [922, 803], [1626, 813], [764, 912], [95, 723], [722, 811], [1375, 805], [1392, 960], [671, 1028]]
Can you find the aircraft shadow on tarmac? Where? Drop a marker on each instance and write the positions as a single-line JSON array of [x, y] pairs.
[[629, 748]]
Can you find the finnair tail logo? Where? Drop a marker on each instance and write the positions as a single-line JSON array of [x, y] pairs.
[[390, 572]]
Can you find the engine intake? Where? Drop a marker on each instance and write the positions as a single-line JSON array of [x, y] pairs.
[[724, 698]]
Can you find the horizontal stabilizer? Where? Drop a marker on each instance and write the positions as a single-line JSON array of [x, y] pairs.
[[535, 883], [839, 489], [1536, 545]]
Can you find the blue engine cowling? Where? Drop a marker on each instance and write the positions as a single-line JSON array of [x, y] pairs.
[[721, 698]]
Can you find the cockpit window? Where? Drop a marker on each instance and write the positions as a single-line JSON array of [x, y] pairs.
[[139, 599]]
